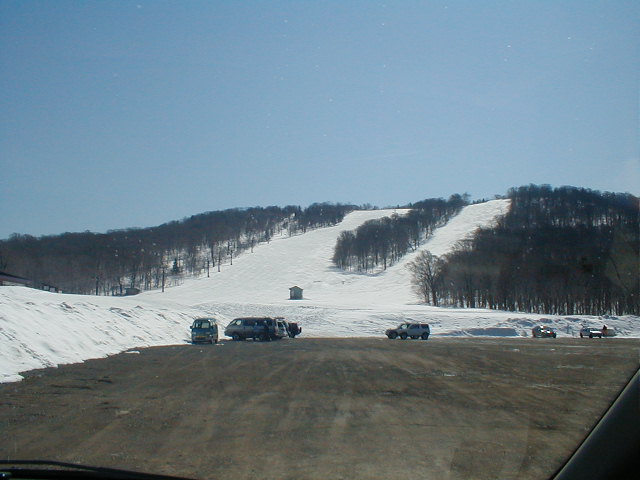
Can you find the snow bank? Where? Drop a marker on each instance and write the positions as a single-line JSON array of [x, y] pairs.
[[41, 329]]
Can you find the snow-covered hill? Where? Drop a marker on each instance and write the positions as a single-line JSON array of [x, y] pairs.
[[41, 329]]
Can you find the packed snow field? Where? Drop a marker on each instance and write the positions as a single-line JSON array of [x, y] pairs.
[[41, 329]]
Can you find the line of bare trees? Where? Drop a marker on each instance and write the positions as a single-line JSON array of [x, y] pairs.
[[559, 251], [108, 263], [381, 243]]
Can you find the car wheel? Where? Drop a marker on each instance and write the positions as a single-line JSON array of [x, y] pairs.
[[392, 335], [591, 335], [235, 337], [425, 336], [403, 336]]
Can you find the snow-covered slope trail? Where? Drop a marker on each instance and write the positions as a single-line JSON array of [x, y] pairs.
[[264, 276], [393, 286]]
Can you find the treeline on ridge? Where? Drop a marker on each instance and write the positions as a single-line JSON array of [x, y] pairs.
[[382, 242], [562, 251], [145, 258]]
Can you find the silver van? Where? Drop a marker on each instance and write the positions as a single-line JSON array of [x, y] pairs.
[[257, 328]]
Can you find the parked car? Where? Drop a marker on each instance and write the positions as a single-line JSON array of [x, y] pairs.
[[542, 331], [409, 330], [590, 332], [204, 330], [292, 328], [608, 331], [257, 328]]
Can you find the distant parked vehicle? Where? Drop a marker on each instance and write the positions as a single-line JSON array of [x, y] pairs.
[[409, 330], [257, 328], [590, 332], [542, 331], [292, 328], [204, 330], [608, 331]]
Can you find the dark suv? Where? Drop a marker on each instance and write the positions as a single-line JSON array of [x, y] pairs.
[[292, 328], [409, 330]]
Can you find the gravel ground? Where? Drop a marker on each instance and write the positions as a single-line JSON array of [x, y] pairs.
[[446, 408]]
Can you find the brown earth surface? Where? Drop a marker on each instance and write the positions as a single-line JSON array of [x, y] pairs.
[[365, 408]]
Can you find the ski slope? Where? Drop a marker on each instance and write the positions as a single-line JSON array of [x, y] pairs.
[[41, 329], [264, 276]]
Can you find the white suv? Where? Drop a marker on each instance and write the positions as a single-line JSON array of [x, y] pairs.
[[409, 330], [590, 332]]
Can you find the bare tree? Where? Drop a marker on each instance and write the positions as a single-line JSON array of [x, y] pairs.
[[426, 275]]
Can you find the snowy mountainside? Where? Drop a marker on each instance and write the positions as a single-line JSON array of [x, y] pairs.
[[41, 329], [264, 277]]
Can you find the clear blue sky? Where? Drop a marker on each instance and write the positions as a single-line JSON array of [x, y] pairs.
[[118, 114]]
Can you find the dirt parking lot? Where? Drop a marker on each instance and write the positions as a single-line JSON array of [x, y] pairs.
[[444, 408]]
